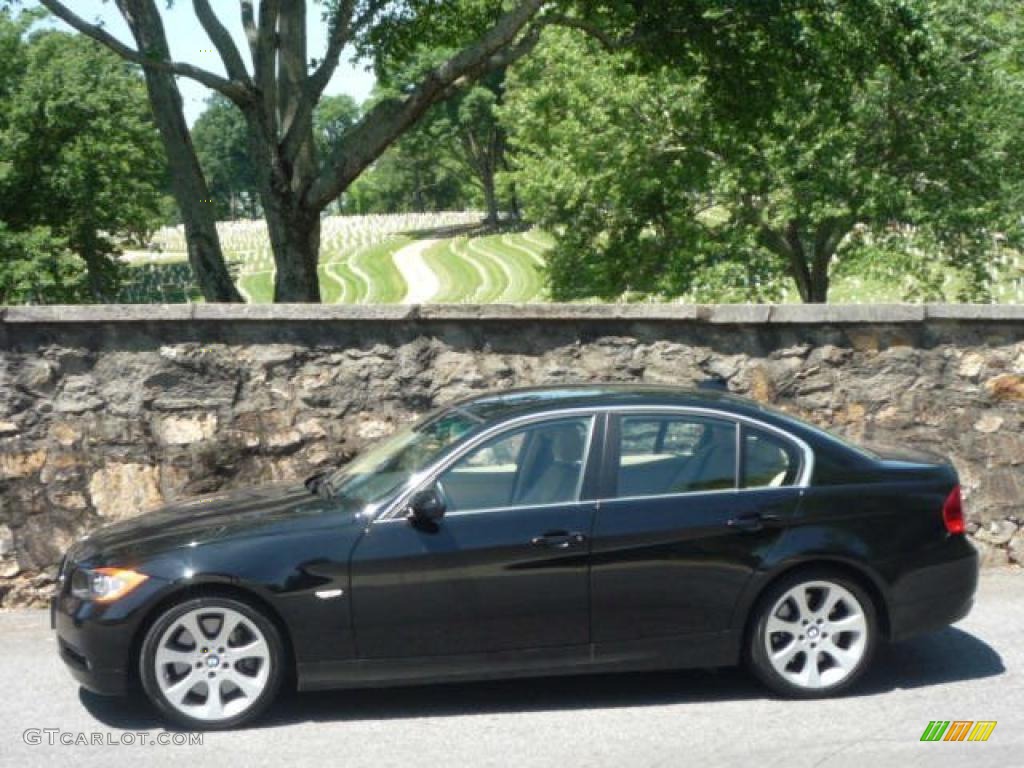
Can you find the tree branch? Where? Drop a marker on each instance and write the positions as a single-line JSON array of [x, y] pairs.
[[340, 34], [264, 57], [221, 39], [383, 124], [608, 42], [249, 25], [237, 93]]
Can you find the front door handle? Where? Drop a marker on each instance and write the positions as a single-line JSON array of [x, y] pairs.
[[754, 522], [558, 539]]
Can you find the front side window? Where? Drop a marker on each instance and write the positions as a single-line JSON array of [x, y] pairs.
[[668, 454], [382, 469], [533, 465], [769, 461]]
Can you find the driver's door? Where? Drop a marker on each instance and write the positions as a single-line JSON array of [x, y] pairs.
[[504, 569]]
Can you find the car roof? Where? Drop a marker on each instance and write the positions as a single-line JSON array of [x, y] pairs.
[[498, 406]]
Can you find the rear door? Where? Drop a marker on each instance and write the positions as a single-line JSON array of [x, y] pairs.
[[692, 502], [506, 567]]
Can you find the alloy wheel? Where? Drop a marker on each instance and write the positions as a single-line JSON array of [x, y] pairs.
[[212, 663], [816, 635]]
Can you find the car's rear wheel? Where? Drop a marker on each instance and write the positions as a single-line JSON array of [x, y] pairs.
[[211, 662], [814, 634]]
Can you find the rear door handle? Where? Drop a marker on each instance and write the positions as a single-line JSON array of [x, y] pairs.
[[558, 539], [753, 522]]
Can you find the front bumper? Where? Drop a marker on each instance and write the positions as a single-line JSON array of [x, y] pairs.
[[97, 641], [935, 593]]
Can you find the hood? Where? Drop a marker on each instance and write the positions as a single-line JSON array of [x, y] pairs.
[[265, 510]]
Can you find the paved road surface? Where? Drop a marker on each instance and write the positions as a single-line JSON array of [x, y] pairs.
[[423, 283], [684, 719]]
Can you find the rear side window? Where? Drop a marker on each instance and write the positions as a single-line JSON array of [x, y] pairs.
[[769, 461], [667, 454]]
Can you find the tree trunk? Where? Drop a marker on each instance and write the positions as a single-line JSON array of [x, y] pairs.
[[490, 199], [295, 242], [187, 182], [818, 288]]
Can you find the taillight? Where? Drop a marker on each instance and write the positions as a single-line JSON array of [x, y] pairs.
[[953, 511]]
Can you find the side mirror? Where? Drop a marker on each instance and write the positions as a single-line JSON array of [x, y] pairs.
[[426, 506]]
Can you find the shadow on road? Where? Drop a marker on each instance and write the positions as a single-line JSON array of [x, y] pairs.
[[943, 657]]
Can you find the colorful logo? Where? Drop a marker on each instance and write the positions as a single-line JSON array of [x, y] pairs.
[[958, 730]]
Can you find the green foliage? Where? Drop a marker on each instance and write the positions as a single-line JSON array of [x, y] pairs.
[[80, 156], [334, 115], [37, 268], [219, 136], [893, 148], [449, 160], [410, 176]]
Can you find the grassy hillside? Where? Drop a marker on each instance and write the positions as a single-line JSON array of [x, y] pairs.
[[358, 266]]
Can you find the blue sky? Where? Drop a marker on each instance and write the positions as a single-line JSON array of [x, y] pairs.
[[189, 43]]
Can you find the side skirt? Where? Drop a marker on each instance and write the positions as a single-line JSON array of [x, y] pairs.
[[713, 649]]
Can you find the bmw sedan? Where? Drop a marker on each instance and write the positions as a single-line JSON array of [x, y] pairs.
[[533, 532]]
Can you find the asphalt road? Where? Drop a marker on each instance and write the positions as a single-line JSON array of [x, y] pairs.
[[696, 718]]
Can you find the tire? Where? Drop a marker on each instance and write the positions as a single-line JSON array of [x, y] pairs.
[[226, 677], [816, 647]]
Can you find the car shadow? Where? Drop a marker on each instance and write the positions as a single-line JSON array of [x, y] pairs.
[[950, 655]]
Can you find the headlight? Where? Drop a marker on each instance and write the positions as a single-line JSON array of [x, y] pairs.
[[104, 585]]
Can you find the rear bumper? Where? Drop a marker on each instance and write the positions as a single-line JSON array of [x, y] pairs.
[[937, 593]]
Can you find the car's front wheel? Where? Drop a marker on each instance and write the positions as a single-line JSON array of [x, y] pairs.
[[211, 662], [814, 634]]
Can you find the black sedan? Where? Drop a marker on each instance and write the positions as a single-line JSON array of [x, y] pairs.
[[533, 532]]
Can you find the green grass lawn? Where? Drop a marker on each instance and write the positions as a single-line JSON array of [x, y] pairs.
[[375, 266], [357, 267], [461, 280]]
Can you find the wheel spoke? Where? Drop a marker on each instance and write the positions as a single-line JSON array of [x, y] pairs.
[[228, 625], [191, 623], [853, 623], [776, 625], [803, 608], [214, 707], [832, 598], [810, 677], [176, 692], [783, 656], [250, 686], [166, 656], [257, 649], [845, 659]]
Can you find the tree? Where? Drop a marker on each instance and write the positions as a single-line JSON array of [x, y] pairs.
[[81, 166], [222, 145], [409, 177], [468, 129], [658, 181], [219, 136], [459, 138], [36, 267], [279, 95]]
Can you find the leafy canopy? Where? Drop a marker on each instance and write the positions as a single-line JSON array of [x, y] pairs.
[[893, 142]]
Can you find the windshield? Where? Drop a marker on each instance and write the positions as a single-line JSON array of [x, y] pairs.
[[379, 471]]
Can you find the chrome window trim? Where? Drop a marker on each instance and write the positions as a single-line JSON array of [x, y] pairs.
[[803, 481], [492, 510]]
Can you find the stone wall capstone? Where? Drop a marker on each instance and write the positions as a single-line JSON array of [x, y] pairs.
[[107, 412]]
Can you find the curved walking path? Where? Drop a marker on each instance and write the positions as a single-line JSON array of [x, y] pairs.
[[423, 283]]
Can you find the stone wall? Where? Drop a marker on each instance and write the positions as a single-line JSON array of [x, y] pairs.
[[106, 412]]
